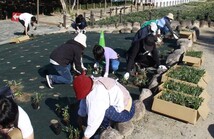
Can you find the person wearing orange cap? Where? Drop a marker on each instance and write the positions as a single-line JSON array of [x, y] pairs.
[[102, 100], [64, 56]]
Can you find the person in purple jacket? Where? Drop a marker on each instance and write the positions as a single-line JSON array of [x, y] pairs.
[[110, 56]]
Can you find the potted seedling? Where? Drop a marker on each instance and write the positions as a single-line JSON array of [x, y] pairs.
[[76, 133], [36, 100], [69, 131], [72, 132], [56, 126], [58, 109], [16, 87], [66, 115]]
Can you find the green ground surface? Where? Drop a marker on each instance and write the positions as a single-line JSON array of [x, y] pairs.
[[28, 62]]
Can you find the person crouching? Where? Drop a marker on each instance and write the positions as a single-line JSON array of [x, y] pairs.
[[102, 100]]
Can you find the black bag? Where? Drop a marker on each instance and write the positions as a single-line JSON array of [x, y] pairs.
[[6, 91]]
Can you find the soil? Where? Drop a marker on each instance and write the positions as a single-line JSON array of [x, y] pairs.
[[157, 126]]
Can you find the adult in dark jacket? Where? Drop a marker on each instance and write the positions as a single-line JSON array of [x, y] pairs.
[[164, 25], [144, 53], [63, 57], [145, 31]]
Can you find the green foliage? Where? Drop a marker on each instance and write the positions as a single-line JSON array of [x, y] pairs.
[[197, 54], [37, 98], [182, 87], [181, 99], [187, 11], [65, 113], [72, 132], [16, 87], [186, 73], [141, 78]]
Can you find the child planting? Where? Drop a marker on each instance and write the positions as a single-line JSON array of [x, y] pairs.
[[110, 56]]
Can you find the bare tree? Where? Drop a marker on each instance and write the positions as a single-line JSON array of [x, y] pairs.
[[64, 7]]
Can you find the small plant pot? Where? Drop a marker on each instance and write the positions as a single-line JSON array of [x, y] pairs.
[[35, 106], [56, 126]]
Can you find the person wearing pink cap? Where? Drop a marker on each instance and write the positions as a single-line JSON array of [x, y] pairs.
[[102, 100]]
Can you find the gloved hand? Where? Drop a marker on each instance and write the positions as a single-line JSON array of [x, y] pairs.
[[161, 69], [175, 36], [126, 76], [105, 75], [84, 68], [96, 65]]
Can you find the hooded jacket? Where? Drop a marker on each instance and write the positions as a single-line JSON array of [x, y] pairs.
[[68, 53]]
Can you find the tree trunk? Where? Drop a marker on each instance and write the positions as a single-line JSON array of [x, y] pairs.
[[63, 2], [72, 8]]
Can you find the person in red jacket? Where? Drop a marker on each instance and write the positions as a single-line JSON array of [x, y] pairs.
[[64, 56]]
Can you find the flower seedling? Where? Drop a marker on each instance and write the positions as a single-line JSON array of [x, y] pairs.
[[186, 73], [58, 109], [182, 87], [197, 54], [66, 115], [36, 100], [181, 99]]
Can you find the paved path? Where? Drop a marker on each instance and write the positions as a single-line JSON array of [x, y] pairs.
[[10, 29]]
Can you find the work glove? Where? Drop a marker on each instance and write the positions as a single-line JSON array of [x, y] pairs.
[[175, 36], [96, 65], [105, 75], [126, 76], [161, 69], [84, 68]]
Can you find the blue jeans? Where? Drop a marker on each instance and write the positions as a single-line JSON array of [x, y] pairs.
[[112, 115], [115, 64], [64, 74]]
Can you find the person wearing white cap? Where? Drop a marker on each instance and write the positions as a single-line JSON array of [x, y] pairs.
[[145, 31], [164, 25], [64, 56]]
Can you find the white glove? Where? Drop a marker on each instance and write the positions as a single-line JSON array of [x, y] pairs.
[[126, 76], [159, 40], [84, 68], [162, 67], [105, 75], [96, 65], [175, 36]]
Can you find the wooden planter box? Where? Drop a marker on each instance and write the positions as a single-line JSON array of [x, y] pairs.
[[191, 35], [192, 61], [179, 112], [202, 82]]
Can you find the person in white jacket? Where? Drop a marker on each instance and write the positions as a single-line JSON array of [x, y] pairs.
[[26, 20], [103, 100]]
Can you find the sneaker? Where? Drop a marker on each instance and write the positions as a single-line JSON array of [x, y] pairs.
[[49, 81]]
